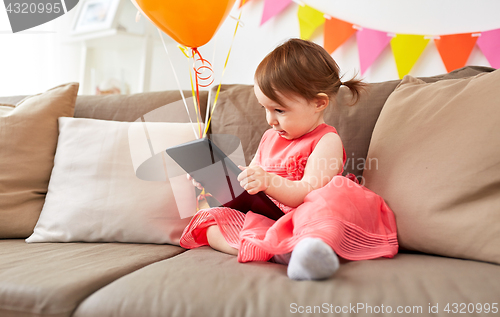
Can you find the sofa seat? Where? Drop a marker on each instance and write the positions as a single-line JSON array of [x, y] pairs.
[[51, 279], [204, 282]]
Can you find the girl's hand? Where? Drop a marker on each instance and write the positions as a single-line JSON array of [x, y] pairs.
[[195, 183], [253, 179]]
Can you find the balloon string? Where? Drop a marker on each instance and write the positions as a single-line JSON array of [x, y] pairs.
[[179, 86], [195, 101], [196, 95], [195, 89], [223, 71], [201, 196], [199, 71], [198, 109]]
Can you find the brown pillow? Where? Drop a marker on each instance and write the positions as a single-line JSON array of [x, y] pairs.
[[28, 138], [434, 157]]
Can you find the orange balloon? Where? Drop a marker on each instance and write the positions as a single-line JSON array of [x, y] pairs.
[[191, 23]]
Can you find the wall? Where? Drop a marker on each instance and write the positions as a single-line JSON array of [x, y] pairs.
[[253, 42], [38, 59]]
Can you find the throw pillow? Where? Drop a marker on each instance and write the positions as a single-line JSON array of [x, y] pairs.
[[28, 139], [434, 158], [94, 194]]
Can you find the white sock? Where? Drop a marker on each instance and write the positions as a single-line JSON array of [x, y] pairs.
[[312, 259]]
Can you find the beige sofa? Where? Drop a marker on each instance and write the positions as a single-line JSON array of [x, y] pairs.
[[132, 279]]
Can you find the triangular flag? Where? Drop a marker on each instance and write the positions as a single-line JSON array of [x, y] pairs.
[[370, 44], [309, 20], [489, 43], [272, 8], [336, 33], [407, 48], [455, 49]]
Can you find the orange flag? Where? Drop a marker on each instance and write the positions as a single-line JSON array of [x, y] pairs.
[[455, 49], [336, 33]]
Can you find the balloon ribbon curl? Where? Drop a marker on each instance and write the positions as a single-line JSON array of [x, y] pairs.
[[198, 79], [198, 71]]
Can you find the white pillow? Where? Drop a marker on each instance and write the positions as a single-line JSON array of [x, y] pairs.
[[94, 194]]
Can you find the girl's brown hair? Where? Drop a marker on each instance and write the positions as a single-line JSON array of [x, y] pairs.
[[304, 68]]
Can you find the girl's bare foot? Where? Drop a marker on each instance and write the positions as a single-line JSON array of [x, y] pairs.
[[217, 241]]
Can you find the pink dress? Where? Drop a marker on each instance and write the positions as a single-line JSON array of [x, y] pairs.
[[350, 218]]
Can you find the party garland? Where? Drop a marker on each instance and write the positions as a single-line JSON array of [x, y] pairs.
[[454, 49]]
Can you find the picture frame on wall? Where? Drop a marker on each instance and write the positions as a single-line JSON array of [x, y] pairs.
[[95, 15]]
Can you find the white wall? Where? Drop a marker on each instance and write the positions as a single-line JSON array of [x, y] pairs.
[[35, 60], [429, 17]]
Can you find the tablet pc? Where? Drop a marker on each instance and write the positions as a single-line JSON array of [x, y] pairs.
[[218, 174]]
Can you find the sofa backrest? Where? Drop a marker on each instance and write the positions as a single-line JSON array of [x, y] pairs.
[[131, 107], [11, 100], [239, 113]]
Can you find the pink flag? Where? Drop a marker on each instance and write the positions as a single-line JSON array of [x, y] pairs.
[[272, 8], [489, 43], [370, 44]]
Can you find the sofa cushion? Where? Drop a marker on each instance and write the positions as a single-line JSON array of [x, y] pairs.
[[51, 279], [94, 194], [11, 100], [239, 113], [28, 139], [204, 282], [436, 162], [131, 107], [467, 71]]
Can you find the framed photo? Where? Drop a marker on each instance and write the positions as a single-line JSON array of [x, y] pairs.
[[95, 15]]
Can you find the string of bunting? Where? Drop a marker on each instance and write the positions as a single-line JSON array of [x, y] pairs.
[[454, 49]]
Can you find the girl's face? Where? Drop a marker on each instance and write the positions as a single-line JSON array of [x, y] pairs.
[[296, 117]]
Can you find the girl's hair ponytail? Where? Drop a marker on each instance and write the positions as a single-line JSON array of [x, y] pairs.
[[356, 87], [302, 68]]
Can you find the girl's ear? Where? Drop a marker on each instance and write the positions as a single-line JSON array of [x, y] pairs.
[[321, 101]]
